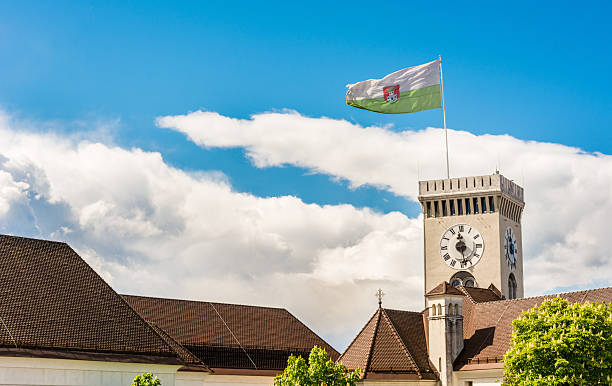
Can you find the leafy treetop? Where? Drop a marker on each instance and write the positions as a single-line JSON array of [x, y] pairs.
[[320, 371], [560, 343], [146, 379]]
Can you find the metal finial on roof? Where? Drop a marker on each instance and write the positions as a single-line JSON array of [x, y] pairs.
[[379, 294]]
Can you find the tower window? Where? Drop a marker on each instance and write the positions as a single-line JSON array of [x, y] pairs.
[[467, 206], [475, 205], [483, 204], [444, 208], [463, 278], [460, 206], [491, 205], [436, 209], [452, 207], [428, 206], [511, 287]]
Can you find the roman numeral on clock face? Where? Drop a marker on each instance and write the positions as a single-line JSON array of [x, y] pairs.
[[452, 231], [478, 245], [444, 247], [477, 236], [452, 263], [460, 228], [446, 256]]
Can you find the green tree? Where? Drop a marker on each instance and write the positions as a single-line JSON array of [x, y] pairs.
[[146, 379], [560, 343], [319, 371]]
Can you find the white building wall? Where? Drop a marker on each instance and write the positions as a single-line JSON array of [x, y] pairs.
[[66, 372], [483, 377], [188, 378], [398, 383]]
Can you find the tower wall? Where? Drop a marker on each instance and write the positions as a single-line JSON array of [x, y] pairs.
[[499, 203]]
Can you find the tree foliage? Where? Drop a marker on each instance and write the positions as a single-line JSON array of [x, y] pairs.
[[319, 371], [560, 343], [146, 379]]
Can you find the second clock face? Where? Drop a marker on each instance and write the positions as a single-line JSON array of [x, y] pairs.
[[510, 248], [461, 246]]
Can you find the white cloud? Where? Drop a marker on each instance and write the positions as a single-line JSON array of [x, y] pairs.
[[151, 229], [568, 191]]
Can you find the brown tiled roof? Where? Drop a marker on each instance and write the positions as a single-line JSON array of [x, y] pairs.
[[391, 345], [488, 332], [230, 335], [50, 299], [480, 295], [444, 288]]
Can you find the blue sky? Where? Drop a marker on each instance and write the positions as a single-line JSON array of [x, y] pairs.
[[536, 73]]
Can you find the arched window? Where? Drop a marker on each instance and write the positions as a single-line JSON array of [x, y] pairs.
[[511, 287], [439, 309], [462, 278], [456, 309], [433, 310], [450, 309]]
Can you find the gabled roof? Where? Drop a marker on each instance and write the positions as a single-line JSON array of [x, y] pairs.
[[443, 289], [481, 295], [52, 303], [231, 336], [488, 332], [391, 345]]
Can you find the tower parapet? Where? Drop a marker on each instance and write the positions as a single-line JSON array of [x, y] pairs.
[[494, 183]]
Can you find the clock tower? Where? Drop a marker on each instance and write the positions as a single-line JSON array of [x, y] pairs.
[[472, 228]]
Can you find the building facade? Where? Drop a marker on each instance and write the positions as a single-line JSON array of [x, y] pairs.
[[473, 259]]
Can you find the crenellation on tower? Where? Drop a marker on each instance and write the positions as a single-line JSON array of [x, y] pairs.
[[494, 183]]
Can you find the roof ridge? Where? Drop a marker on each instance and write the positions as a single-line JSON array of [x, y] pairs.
[[491, 331], [35, 239], [167, 336], [314, 333], [204, 302], [358, 334], [372, 341], [545, 295], [411, 312], [405, 347]]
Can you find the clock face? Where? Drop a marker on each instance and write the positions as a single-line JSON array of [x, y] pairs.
[[461, 246], [510, 248]]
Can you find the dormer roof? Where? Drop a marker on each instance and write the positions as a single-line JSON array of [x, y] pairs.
[[444, 289]]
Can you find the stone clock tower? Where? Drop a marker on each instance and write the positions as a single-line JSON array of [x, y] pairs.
[[473, 236]]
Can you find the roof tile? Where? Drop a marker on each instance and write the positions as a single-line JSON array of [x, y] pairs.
[[230, 335], [51, 299]]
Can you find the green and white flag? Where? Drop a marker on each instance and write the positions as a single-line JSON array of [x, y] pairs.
[[405, 91]]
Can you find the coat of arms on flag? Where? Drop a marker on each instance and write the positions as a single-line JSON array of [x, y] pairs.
[[391, 93], [420, 90]]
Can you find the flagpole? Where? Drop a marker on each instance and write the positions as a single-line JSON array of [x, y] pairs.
[[444, 115]]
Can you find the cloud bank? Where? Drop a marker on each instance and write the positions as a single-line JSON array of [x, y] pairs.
[[152, 229], [568, 192]]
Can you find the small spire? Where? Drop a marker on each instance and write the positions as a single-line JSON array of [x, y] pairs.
[[379, 294]]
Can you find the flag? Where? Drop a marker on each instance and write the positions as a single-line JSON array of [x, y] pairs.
[[405, 91]]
